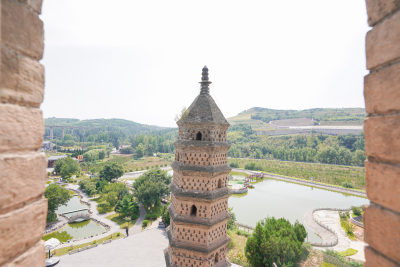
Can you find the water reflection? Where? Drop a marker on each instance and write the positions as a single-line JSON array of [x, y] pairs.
[[273, 198]]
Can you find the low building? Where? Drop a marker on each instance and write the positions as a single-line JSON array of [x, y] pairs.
[[47, 146], [51, 161]]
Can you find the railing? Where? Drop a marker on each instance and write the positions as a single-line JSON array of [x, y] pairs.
[[245, 227], [327, 228]]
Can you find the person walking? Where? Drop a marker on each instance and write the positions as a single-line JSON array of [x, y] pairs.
[[127, 231]]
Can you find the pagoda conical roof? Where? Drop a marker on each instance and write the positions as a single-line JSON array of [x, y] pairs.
[[203, 109]]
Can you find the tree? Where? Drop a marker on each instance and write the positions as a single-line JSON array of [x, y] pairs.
[[127, 207], [66, 167], [56, 196], [151, 186], [165, 217], [275, 241], [232, 219], [139, 151], [181, 115], [111, 171]]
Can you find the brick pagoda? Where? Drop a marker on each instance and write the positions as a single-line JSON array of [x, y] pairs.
[[199, 208]]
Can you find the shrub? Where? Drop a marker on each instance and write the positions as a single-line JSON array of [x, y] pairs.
[[234, 165], [347, 185], [145, 223], [104, 207], [275, 240], [356, 211]]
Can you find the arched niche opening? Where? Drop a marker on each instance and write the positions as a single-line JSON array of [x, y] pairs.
[[216, 257], [219, 183], [198, 136], [193, 210]]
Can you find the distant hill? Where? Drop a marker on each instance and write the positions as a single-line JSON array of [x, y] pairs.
[[118, 125], [266, 121]]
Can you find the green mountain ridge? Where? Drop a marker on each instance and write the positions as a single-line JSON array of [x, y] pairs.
[[118, 125]]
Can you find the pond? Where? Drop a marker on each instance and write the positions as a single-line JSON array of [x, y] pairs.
[[73, 204], [77, 230], [273, 198]]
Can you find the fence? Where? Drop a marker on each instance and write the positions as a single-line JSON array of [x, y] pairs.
[[327, 228], [244, 227]]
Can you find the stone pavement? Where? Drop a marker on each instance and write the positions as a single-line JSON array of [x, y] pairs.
[[331, 219], [144, 249]]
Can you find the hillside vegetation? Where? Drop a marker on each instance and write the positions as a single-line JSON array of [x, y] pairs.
[[269, 121], [95, 126], [346, 176], [342, 149]]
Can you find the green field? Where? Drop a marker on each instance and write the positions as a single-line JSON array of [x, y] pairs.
[[130, 164], [324, 173]]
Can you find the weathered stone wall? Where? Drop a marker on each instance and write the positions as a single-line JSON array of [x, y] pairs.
[[22, 167], [198, 236], [207, 210], [211, 133], [382, 133], [186, 258], [200, 183]]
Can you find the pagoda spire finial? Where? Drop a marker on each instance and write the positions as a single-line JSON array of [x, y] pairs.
[[204, 81]]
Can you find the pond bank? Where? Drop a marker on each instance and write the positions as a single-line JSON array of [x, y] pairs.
[[307, 183]]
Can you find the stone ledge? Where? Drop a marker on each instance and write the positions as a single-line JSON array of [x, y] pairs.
[[195, 143], [199, 195], [176, 166]]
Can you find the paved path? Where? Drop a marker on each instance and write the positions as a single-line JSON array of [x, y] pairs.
[[326, 236], [137, 228], [331, 219], [144, 249], [305, 182]]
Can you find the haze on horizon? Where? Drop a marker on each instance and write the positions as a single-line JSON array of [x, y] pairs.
[[142, 60]]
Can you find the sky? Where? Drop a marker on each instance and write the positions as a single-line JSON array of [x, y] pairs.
[[142, 60]]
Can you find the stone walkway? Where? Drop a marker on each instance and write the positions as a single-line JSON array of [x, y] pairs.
[[325, 235], [143, 249], [332, 220]]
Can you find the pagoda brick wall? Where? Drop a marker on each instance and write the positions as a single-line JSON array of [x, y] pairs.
[[23, 209], [382, 134]]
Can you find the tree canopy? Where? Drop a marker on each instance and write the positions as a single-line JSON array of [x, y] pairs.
[[127, 207], [275, 241], [111, 171], [56, 196], [66, 167], [151, 186]]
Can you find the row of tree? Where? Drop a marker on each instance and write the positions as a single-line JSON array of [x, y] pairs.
[[344, 150]]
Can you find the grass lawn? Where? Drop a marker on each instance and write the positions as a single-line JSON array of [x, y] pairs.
[[323, 173], [236, 249], [129, 163], [348, 252], [235, 173], [66, 250], [120, 220], [62, 236], [325, 264]]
